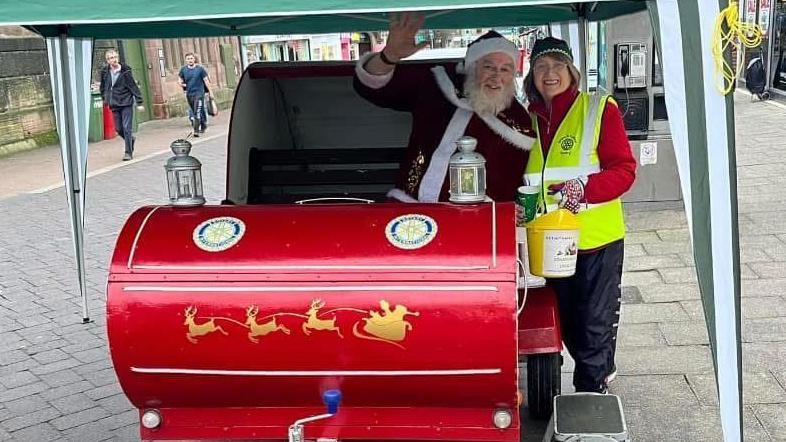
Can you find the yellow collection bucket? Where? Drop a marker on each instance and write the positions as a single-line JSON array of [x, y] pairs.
[[552, 244]]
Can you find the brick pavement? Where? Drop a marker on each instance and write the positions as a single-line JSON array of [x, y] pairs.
[[57, 383]]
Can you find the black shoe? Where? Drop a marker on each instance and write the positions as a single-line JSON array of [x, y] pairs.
[[127, 157], [196, 134]]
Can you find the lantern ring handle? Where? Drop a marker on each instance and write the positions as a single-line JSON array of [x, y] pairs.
[[336, 199]]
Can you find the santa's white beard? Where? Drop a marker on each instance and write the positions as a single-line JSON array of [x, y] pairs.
[[484, 102]]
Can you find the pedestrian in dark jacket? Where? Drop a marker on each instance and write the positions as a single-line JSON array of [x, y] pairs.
[[120, 92]]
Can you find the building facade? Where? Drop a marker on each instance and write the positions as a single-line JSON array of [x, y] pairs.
[[27, 116]]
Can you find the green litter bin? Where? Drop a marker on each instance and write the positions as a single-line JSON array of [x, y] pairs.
[[96, 129]]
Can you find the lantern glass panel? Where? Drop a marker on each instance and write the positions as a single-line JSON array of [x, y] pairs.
[[454, 181], [198, 183], [171, 184], [185, 183], [482, 180], [468, 180]]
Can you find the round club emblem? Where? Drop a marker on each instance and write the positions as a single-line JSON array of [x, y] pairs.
[[411, 231], [567, 143], [218, 234]]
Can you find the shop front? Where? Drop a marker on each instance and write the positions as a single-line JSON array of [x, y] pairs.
[[771, 16]]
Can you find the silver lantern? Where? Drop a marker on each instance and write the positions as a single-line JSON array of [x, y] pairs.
[[184, 176], [467, 173]]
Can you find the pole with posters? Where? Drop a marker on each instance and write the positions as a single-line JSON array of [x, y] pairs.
[[765, 21]]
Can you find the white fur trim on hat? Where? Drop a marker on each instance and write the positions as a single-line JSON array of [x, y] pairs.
[[481, 48]]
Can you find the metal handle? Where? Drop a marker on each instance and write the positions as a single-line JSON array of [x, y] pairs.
[[315, 200]]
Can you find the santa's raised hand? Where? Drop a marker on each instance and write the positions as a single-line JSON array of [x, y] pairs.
[[401, 38]]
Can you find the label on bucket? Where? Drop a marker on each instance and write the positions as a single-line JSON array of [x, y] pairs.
[[560, 250]]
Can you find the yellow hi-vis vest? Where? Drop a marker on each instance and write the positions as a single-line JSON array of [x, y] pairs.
[[573, 154]]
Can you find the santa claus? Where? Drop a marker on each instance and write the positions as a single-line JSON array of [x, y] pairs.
[[475, 97]]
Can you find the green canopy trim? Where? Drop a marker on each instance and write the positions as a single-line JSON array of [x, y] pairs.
[[181, 18]]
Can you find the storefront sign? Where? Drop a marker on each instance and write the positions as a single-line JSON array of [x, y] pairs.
[[764, 16], [750, 12]]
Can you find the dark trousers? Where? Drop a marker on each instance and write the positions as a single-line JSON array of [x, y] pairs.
[[589, 304], [197, 104], [124, 125]]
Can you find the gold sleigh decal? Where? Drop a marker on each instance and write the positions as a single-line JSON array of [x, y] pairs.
[[385, 325]]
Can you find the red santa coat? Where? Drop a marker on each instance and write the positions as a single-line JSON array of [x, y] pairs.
[[430, 96]]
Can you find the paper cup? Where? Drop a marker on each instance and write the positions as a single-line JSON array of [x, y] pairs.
[[527, 198]]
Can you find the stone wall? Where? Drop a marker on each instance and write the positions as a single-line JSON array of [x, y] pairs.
[[26, 115]]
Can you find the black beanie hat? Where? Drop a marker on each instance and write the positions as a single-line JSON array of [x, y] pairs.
[[550, 45]]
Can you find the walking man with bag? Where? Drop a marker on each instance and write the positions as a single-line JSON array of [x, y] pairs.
[[195, 82], [119, 91]]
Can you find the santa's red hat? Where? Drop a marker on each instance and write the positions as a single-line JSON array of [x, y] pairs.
[[487, 43]]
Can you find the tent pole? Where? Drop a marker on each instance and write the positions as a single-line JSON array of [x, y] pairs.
[[63, 67], [582, 22]]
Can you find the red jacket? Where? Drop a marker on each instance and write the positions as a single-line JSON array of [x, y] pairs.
[[618, 167]]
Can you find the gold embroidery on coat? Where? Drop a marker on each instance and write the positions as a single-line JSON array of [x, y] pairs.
[[510, 122], [415, 173]]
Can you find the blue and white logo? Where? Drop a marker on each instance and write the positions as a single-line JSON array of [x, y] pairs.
[[218, 234], [411, 231]]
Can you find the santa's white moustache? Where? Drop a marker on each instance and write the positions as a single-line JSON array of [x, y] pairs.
[[484, 103]]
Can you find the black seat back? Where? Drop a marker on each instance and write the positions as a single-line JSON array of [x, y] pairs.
[[287, 176]]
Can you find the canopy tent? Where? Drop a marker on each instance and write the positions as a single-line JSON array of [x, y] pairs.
[[701, 119], [176, 18]]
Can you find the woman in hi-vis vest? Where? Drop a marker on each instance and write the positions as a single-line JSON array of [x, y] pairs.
[[583, 162]]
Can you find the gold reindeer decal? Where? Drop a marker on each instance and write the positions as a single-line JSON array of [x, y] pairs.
[[314, 323], [389, 326], [256, 329], [386, 325], [202, 329]]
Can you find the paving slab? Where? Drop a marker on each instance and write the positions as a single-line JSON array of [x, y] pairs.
[[644, 313], [633, 250], [764, 307], [770, 270], [764, 330], [685, 333], [764, 287], [657, 293], [670, 390], [29, 419], [680, 235], [771, 418], [758, 388], [657, 423], [763, 356], [780, 376], [641, 237], [657, 220], [651, 262], [688, 359], [639, 335], [667, 248], [680, 275], [641, 278], [40, 432]]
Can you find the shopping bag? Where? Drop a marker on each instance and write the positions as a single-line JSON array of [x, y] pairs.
[[212, 107]]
